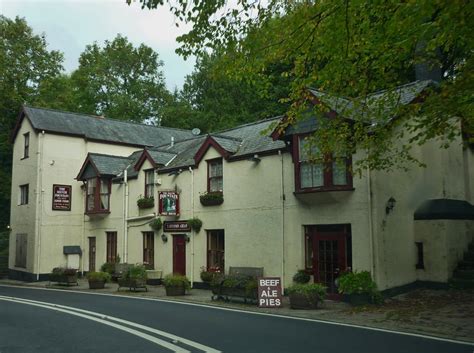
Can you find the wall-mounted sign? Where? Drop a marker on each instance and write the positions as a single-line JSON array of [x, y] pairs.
[[62, 197], [168, 204], [269, 292], [176, 226]]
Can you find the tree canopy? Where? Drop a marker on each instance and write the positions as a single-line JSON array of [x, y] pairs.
[[348, 48]]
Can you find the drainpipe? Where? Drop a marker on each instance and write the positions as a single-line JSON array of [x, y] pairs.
[[371, 226], [192, 231], [282, 223], [125, 216], [83, 241], [39, 203]]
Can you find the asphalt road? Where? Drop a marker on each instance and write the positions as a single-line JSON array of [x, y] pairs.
[[34, 320]]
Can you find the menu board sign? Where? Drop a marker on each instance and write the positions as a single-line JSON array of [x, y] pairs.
[[269, 292], [62, 197]]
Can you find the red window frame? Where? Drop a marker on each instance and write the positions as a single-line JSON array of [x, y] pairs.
[[210, 162], [97, 196], [218, 253], [149, 183], [111, 252], [327, 162]]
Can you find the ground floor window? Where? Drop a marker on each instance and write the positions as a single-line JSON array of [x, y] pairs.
[[20, 250], [149, 249], [111, 247], [215, 250]]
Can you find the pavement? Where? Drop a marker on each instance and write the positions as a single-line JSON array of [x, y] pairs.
[[439, 313]]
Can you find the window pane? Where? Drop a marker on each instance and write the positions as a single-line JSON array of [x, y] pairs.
[[318, 175], [104, 186], [309, 252], [90, 203], [91, 186], [311, 175], [339, 173], [104, 201]]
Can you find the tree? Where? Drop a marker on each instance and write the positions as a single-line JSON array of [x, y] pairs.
[[120, 81], [349, 49], [25, 64]]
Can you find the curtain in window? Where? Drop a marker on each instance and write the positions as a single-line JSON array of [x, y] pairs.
[[149, 183], [104, 194], [91, 186], [339, 172]]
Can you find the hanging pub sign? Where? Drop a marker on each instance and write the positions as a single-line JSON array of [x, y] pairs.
[[168, 204], [269, 292], [176, 226], [61, 197]]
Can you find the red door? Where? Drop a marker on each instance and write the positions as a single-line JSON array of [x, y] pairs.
[[179, 254], [330, 257]]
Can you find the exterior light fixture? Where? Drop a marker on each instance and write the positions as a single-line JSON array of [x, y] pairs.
[[187, 238], [175, 172], [390, 205], [164, 238], [255, 158]]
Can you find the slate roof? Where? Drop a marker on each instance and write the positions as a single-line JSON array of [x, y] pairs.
[[102, 129], [108, 164]]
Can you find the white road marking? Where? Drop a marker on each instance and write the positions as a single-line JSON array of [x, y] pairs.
[[102, 319], [258, 313]]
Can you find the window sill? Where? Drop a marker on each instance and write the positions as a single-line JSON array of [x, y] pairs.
[[93, 213], [24, 158], [316, 190]]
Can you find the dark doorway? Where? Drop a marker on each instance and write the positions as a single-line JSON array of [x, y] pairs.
[[179, 254], [328, 253], [92, 254], [149, 249]]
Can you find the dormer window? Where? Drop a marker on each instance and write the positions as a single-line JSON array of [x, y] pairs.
[[214, 175], [98, 195], [324, 173]]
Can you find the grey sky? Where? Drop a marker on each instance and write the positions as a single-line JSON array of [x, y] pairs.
[[69, 25]]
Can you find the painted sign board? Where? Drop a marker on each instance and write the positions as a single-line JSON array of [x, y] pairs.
[[269, 292], [168, 204], [62, 197], [176, 226]]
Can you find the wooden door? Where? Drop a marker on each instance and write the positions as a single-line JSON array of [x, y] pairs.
[[149, 249], [330, 258], [179, 254], [92, 251]]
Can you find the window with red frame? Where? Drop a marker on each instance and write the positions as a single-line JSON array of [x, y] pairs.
[[149, 183], [215, 250], [214, 173], [98, 195], [111, 255], [319, 174]]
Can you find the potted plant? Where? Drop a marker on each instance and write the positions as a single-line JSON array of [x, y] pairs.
[[176, 285], [145, 202], [64, 275], [97, 280], [195, 224], [301, 277], [156, 224], [306, 295], [211, 198], [358, 287], [133, 277]]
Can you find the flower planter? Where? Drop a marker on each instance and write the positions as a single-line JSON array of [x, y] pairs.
[[211, 201], [96, 284], [146, 203], [359, 299], [301, 301], [175, 291]]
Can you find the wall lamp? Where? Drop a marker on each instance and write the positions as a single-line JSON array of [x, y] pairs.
[[254, 158], [390, 205], [164, 238], [175, 172]]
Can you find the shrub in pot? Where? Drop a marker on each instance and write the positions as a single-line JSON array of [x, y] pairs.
[[97, 280], [176, 285], [301, 277], [359, 287], [211, 198], [134, 277], [63, 275], [156, 224], [195, 224], [145, 202], [306, 295]]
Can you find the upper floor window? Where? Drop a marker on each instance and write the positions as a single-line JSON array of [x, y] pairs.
[[26, 146], [24, 190], [98, 195], [149, 183], [320, 173], [214, 175]]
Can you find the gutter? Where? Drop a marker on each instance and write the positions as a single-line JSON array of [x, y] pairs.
[[39, 200]]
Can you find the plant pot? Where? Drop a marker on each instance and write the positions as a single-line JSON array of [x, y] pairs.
[[359, 299], [96, 284], [301, 301], [211, 201], [175, 291]]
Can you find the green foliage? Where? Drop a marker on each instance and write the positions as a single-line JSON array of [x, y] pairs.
[[347, 49], [108, 267], [120, 81], [177, 281], [99, 276], [195, 224], [207, 276], [135, 272], [63, 271], [145, 202], [356, 283], [301, 277], [211, 198], [4, 242], [156, 224], [310, 290]]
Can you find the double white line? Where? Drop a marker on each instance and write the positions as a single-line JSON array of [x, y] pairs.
[[119, 324]]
